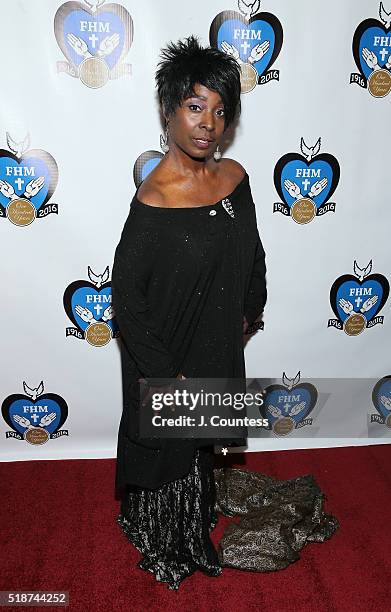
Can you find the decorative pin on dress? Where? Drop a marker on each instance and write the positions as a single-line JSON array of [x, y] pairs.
[[228, 207]]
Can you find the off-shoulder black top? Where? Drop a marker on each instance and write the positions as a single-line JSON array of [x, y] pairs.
[[182, 280]]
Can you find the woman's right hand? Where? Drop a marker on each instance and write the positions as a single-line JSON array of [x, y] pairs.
[[151, 390]]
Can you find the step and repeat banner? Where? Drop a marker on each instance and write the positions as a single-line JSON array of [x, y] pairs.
[[80, 128]]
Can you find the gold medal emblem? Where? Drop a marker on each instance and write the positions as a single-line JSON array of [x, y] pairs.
[[98, 334], [283, 426], [303, 211], [354, 324], [36, 435], [94, 72], [379, 83], [388, 421], [248, 77], [21, 212]]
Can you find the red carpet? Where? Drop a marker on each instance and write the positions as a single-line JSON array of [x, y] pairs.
[[59, 533]]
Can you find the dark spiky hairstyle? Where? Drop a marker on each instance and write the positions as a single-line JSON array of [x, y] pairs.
[[186, 63]]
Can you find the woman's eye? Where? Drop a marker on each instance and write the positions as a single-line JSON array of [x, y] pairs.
[[194, 107]]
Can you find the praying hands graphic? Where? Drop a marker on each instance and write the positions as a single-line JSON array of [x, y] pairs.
[[348, 307], [256, 54], [371, 60], [31, 189], [386, 401], [87, 316], [44, 421], [80, 47], [276, 412], [294, 190]]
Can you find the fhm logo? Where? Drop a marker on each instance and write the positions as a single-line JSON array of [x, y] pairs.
[[28, 178], [287, 406], [88, 305], [381, 398], [305, 183], [372, 54], [253, 39], [95, 40], [36, 416], [357, 300]]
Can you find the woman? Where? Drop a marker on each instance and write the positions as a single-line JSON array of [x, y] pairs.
[[188, 278]]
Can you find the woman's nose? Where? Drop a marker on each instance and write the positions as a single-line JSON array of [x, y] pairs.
[[208, 121]]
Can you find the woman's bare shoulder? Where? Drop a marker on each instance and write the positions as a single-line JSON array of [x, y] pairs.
[[151, 189], [232, 169], [157, 188]]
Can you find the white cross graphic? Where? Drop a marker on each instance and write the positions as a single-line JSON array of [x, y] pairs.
[[19, 182], [383, 54], [93, 38], [245, 45], [98, 309]]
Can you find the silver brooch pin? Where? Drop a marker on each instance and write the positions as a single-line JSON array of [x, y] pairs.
[[228, 207]]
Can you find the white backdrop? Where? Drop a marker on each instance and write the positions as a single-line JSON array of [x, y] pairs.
[[96, 135]]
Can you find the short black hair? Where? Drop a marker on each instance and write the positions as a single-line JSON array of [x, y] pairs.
[[186, 63]]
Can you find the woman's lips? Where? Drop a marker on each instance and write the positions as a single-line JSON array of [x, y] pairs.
[[202, 144]]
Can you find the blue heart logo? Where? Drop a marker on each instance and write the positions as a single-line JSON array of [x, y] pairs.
[[106, 32], [230, 27], [97, 301], [48, 411], [293, 168], [296, 403], [144, 164], [368, 295], [371, 34], [381, 398], [20, 175], [259, 30]]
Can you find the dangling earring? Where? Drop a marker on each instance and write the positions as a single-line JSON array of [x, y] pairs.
[[217, 154], [164, 141]]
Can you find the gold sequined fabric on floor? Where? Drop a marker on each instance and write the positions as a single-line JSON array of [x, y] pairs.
[[278, 517]]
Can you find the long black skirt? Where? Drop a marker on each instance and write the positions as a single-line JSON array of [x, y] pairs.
[[170, 525]]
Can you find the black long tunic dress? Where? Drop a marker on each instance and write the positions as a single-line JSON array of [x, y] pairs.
[[183, 278]]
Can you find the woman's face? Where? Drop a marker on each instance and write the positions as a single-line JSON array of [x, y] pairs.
[[197, 125]]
